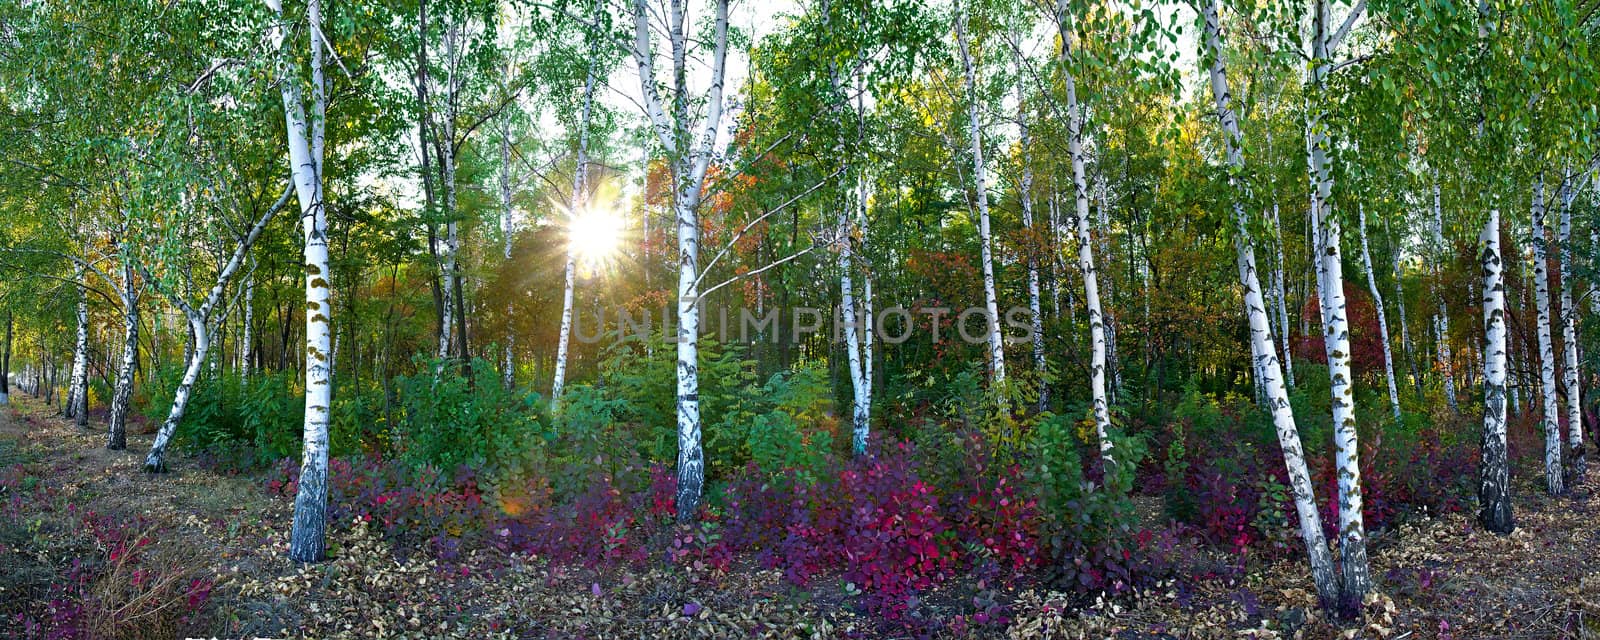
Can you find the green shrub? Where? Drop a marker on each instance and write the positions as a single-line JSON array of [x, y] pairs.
[[448, 421]]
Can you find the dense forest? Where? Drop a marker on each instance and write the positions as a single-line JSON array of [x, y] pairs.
[[818, 318]]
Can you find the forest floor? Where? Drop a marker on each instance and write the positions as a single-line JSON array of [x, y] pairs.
[[1440, 577]]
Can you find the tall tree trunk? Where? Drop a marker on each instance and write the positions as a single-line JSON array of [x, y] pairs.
[[1405, 333], [154, 461], [1383, 322], [1355, 578], [5, 365], [1576, 463], [1494, 486], [997, 361], [689, 160], [1025, 195], [1441, 330], [1549, 410], [1441, 321], [1091, 288], [307, 538], [508, 366], [579, 200], [78, 389], [850, 317], [1261, 343], [122, 393], [248, 341], [850, 321], [1279, 283]]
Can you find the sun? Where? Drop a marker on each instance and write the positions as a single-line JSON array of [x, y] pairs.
[[594, 234]]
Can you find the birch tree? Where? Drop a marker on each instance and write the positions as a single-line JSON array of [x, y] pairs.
[[689, 145], [1091, 288], [1377, 303], [306, 140], [1262, 349], [980, 178], [578, 201], [1576, 464], [1354, 577], [77, 405], [1549, 410], [200, 319], [1494, 481]]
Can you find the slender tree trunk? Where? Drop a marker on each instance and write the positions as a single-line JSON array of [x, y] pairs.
[[1442, 319], [117, 429], [1283, 293], [508, 367], [689, 161], [1494, 487], [5, 365], [154, 460], [1261, 343], [307, 538], [1355, 578], [1091, 288], [1577, 464], [78, 390], [1025, 195], [850, 321], [991, 302], [1108, 294], [1549, 409], [1405, 333], [579, 200], [248, 341], [1383, 322]]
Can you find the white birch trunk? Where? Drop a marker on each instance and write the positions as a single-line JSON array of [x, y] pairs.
[[850, 319], [307, 538], [1405, 333], [1549, 409], [508, 368], [247, 348], [1355, 577], [991, 302], [1383, 321], [122, 392], [849, 313], [1091, 289], [201, 329], [78, 389], [1108, 295], [578, 201], [689, 161], [1494, 487], [1025, 195], [1441, 329], [1261, 343], [1442, 320], [1280, 283], [1569, 342]]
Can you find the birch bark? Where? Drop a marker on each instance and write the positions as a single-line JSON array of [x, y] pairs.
[[1549, 408], [1383, 321], [1355, 578], [997, 361], [689, 160], [1569, 342], [306, 140], [1091, 289], [1494, 482], [1261, 343], [579, 200]]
